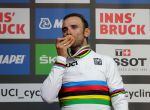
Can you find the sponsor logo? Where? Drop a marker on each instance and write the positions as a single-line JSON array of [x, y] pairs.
[[97, 61], [113, 18], [123, 1], [138, 92], [31, 92], [45, 59], [129, 59], [62, 1], [20, 93], [49, 24], [122, 24], [11, 27], [72, 64], [12, 59], [45, 23], [123, 52], [16, 58]]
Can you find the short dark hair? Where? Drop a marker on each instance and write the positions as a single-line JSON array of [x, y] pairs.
[[85, 23]]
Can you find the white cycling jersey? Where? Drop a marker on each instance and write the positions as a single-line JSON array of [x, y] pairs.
[[85, 81]]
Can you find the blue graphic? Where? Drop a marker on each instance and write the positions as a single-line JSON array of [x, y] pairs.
[[123, 1], [14, 59], [49, 21], [15, 1]]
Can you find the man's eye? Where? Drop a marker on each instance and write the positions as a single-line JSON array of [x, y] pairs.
[[64, 29], [74, 26]]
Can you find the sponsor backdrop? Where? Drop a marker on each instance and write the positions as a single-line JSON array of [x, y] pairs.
[[48, 24], [44, 59], [28, 29], [12, 26], [122, 1]]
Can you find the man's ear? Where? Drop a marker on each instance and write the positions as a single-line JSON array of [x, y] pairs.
[[87, 32]]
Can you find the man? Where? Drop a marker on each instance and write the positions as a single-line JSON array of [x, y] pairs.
[[81, 78]]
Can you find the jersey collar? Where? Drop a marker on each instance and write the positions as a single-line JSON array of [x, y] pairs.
[[82, 52]]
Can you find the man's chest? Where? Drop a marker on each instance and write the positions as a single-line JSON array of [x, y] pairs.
[[88, 69]]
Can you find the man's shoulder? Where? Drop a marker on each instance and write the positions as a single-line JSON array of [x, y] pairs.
[[102, 56]]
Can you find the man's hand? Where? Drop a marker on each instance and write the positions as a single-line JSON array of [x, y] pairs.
[[62, 44]]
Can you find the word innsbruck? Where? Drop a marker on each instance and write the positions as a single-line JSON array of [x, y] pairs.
[[120, 24], [6, 25]]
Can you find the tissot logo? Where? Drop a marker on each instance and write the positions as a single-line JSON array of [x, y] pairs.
[[130, 59], [123, 52], [125, 61], [45, 23]]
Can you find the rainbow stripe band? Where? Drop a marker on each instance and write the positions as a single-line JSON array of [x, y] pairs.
[[83, 54], [104, 97], [117, 92], [84, 92], [60, 64], [85, 88], [85, 101], [85, 83], [91, 92]]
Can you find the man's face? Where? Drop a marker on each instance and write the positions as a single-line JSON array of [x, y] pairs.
[[73, 26]]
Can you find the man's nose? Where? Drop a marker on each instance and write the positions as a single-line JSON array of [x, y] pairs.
[[68, 32]]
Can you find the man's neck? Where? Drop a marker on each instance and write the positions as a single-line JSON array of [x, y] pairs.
[[75, 49]]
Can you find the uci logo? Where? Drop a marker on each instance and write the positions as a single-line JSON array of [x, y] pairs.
[[72, 64], [45, 23]]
